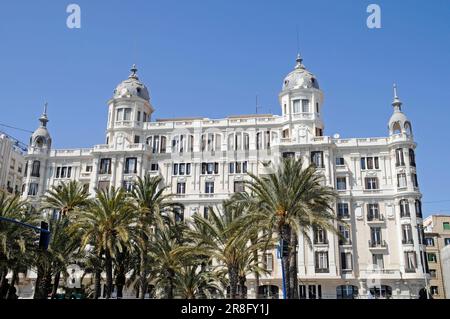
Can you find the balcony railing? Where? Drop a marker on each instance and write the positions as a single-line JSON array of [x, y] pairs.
[[345, 242], [407, 242], [375, 218], [377, 244], [322, 270], [321, 242], [344, 216]]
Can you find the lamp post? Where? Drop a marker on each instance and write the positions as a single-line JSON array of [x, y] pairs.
[[44, 238]]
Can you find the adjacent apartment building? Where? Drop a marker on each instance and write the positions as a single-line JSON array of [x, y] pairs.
[[437, 237], [12, 164], [204, 161]]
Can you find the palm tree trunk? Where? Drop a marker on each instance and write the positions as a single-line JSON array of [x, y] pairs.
[[14, 281], [171, 284], [109, 275], [56, 284], [256, 274], [143, 274], [285, 232], [233, 278], [293, 277], [3, 274], [242, 281], [97, 284]]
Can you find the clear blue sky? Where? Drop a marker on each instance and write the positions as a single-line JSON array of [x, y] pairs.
[[211, 58]]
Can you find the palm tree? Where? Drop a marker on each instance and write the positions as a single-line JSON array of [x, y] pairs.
[[149, 201], [220, 237], [195, 282], [166, 253], [289, 201], [65, 198], [108, 225], [15, 240]]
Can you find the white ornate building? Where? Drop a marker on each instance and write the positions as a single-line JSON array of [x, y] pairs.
[[205, 160], [12, 164]]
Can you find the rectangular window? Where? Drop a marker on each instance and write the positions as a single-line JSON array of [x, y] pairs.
[[302, 292], [446, 225], [58, 172], [407, 234], [446, 241], [434, 290], [346, 261], [154, 167], [305, 106], [33, 190], [179, 214], [378, 260], [181, 188], [431, 257], [239, 187], [139, 116], [312, 292], [63, 172], [268, 262], [345, 233], [238, 168], [370, 163], [188, 169], [130, 165], [375, 236], [373, 212], [371, 183], [209, 187], [429, 241], [317, 159], [321, 261], [35, 171], [340, 161], [175, 169], [401, 180], [127, 115], [341, 183], [119, 116], [105, 166], [433, 273], [320, 236], [231, 168], [410, 261], [128, 186], [342, 210], [296, 106], [88, 168], [399, 158], [182, 169], [412, 158], [137, 139], [206, 212], [144, 118], [69, 172], [414, 180]]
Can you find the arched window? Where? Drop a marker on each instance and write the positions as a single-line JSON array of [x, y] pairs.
[[404, 208], [35, 172], [380, 292], [396, 128], [408, 128]]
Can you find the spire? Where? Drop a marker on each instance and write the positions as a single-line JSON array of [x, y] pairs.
[[299, 61], [397, 104], [44, 119], [133, 74]]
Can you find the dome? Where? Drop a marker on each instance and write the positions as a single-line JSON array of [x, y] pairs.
[[132, 87], [399, 123], [300, 78], [41, 136]]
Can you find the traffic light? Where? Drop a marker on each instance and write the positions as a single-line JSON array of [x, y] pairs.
[[44, 237]]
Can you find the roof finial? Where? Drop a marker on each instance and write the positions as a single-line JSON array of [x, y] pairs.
[[397, 103], [44, 119], [133, 72], [299, 61]]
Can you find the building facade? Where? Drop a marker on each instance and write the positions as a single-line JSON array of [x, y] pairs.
[[445, 257], [437, 237], [204, 161], [12, 165]]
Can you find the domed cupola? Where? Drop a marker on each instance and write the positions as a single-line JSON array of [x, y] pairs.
[[132, 87], [41, 137], [399, 123], [300, 78]]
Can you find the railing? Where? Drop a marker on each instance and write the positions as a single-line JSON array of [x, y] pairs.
[[344, 216], [321, 242], [377, 244], [372, 217], [322, 270], [345, 242], [408, 242]]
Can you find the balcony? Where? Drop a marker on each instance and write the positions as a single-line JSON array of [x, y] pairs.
[[323, 242], [408, 242], [322, 270], [344, 216], [375, 218], [378, 244], [345, 242]]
